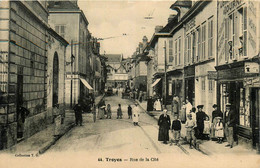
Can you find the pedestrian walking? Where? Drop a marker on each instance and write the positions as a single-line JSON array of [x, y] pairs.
[[129, 110], [219, 130], [230, 122], [201, 116], [164, 123], [94, 112], [135, 114], [215, 113], [101, 112], [176, 129], [119, 112], [183, 112], [109, 113], [78, 114], [190, 132], [175, 105]]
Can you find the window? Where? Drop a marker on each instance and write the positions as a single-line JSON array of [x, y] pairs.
[[194, 47], [199, 44], [242, 19], [176, 50], [210, 38], [179, 51], [189, 49], [185, 50], [170, 51], [60, 29], [211, 85], [203, 84], [203, 42]]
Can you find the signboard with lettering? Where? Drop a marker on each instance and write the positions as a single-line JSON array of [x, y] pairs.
[[251, 67]]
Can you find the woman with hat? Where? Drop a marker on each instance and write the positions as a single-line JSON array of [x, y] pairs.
[[215, 113], [164, 123], [201, 116]]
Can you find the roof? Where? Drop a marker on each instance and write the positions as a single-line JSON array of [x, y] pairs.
[[113, 57], [62, 5], [182, 3]]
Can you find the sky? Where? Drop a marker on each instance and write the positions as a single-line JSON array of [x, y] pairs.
[[114, 18]]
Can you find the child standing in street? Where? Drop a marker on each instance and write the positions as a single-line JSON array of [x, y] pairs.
[[129, 112], [219, 130], [190, 125], [119, 112], [176, 129]]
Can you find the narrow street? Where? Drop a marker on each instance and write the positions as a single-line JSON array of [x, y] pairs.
[[118, 136]]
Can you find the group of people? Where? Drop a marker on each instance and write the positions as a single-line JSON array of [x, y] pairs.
[[105, 112], [199, 126]]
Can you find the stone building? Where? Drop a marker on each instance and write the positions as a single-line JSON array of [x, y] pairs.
[[69, 21], [24, 33]]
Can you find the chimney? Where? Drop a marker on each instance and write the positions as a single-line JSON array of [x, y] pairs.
[[171, 17], [158, 28]]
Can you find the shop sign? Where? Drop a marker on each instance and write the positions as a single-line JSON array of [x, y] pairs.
[[212, 75], [251, 67]]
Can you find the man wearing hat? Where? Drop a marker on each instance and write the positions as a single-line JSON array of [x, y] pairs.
[[201, 116], [215, 113], [230, 122]]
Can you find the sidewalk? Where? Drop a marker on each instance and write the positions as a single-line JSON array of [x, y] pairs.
[[206, 147], [43, 140]]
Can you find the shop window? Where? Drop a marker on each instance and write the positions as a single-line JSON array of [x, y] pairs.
[[244, 108]]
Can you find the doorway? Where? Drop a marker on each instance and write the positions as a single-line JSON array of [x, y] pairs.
[[55, 94]]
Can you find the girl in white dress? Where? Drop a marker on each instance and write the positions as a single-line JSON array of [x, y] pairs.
[[219, 130]]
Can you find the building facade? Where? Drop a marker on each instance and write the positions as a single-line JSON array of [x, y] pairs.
[[25, 49], [238, 65], [66, 18]]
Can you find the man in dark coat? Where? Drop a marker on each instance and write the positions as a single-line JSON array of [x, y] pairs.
[[230, 123], [21, 115], [201, 116], [78, 113], [164, 123]]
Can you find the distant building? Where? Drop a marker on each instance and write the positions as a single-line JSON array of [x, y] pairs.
[[117, 75]]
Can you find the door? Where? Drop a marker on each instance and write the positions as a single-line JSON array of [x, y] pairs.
[[55, 96], [255, 97], [19, 100]]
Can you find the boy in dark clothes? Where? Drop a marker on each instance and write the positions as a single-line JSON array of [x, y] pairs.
[[176, 129], [129, 112]]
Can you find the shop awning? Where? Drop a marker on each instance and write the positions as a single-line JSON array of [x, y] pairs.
[[156, 81], [86, 84]]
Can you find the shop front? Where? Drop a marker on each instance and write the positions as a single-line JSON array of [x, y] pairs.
[[189, 77], [241, 88]]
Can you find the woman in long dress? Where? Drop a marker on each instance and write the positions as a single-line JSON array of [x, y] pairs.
[[157, 105], [164, 123], [135, 114]]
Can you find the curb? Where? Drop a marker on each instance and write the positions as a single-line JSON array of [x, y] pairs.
[[55, 139]]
